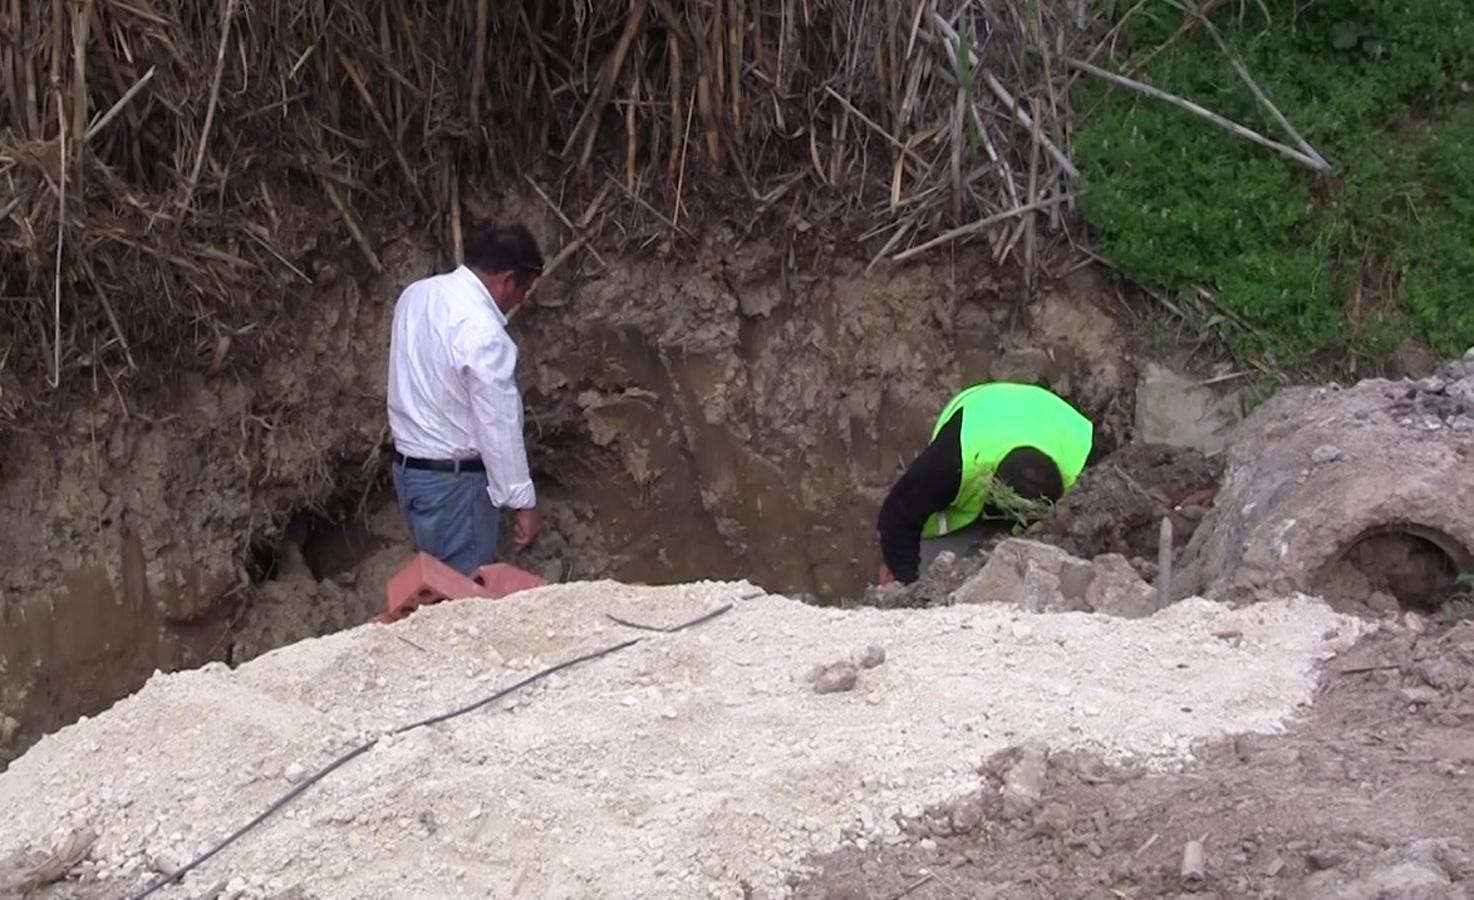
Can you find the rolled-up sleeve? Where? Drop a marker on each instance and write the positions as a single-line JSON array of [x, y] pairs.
[[488, 362]]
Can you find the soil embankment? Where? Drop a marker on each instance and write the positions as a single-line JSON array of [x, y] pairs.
[[731, 417]]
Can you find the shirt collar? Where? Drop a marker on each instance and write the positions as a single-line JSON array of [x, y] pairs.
[[465, 274]]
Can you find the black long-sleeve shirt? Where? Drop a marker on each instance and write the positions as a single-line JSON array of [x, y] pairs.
[[929, 485]]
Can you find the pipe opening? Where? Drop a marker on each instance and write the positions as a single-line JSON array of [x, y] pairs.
[[1394, 567]]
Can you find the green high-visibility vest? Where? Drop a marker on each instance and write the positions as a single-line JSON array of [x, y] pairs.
[[998, 418]]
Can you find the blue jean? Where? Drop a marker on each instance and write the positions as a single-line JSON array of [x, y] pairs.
[[450, 516]]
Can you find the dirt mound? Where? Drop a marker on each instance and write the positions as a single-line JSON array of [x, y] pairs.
[[1118, 504], [698, 763], [1378, 768], [1325, 486]]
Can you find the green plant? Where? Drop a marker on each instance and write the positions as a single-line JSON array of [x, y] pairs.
[[1331, 272], [1018, 510]]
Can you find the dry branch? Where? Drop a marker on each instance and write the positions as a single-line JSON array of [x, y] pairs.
[[350, 221], [1258, 92], [204, 143], [587, 127], [953, 40], [1315, 163], [558, 211], [979, 226], [102, 121], [313, 127]]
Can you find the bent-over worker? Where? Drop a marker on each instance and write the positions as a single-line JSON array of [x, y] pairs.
[[455, 411], [1024, 436]]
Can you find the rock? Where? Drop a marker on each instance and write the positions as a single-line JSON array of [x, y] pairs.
[[1176, 410], [1025, 365], [836, 678], [1445, 674], [941, 564], [967, 813], [1023, 572], [759, 300], [1325, 453], [295, 773], [1075, 578], [1321, 859], [1039, 577], [1023, 782], [1118, 591], [1419, 696], [167, 862], [873, 656], [1380, 602], [1055, 818]]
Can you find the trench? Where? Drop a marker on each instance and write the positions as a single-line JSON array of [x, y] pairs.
[[704, 430]]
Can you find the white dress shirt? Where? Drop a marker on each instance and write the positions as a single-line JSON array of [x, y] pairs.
[[452, 383]]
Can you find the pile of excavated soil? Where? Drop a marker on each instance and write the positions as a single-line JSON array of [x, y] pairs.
[[702, 763], [1377, 775], [1119, 503]]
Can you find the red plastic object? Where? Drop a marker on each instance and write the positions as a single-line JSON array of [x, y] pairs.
[[422, 581], [425, 580], [500, 580]]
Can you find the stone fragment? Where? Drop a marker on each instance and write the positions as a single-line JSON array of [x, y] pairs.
[[836, 678]]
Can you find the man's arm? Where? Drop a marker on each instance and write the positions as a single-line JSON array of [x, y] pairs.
[[929, 485], [488, 361]]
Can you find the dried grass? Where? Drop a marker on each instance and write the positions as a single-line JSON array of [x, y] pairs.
[[173, 169]]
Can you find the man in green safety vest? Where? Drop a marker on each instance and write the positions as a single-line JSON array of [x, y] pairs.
[[1021, 435]]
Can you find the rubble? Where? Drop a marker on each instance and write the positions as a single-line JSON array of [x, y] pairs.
[[1043, 578]]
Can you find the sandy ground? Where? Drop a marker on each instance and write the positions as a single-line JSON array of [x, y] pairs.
[[702, 763]]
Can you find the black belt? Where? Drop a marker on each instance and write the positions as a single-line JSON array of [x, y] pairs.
[[440, 465]]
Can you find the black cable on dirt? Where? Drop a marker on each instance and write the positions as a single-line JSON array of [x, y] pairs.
[[350, 755]]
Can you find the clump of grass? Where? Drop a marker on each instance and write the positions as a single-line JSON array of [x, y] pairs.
[[1006, 503], [1329, 273]]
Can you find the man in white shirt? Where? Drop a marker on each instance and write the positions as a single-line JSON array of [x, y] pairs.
[[454, 408]]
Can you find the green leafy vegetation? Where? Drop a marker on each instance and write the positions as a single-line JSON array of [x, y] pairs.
[[1009, 505], [1314, 271]]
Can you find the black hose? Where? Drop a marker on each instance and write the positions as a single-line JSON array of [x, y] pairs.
[[326, 770]]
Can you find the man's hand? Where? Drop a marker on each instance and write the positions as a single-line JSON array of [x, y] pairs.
[[525, 528], [885, 575]]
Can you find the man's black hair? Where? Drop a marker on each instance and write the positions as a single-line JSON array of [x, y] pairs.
[[1031, 474], [510, 248]]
